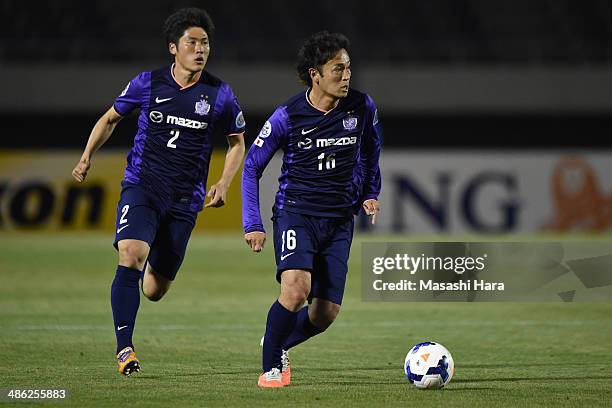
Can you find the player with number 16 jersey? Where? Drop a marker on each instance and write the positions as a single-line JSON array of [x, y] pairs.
[[331, 142]]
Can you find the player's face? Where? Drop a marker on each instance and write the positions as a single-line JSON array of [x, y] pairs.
[[336, 75], [192, 49]]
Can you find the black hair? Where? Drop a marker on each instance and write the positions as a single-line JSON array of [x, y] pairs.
[[179, 21], [317, 50]]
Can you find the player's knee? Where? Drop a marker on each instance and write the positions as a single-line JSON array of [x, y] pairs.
[[152, 291], [295, 288], [293, 298], [153, 295], [154, 287], [132, 256], [324, 317]]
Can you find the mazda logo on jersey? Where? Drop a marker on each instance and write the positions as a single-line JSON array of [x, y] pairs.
[[156, 117], [341, 141], [305, 144]]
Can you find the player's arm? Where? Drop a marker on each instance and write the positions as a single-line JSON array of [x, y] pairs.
[[100, 133], [271, 137], [130, 99], [370, 155], [233, 160]]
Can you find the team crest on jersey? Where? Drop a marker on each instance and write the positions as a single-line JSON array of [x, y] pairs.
[[202, 107], [349, 123]]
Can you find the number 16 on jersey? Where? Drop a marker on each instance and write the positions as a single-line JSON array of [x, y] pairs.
[[289, 239], [330, 161]]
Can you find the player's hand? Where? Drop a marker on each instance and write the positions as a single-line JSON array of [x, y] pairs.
[[371, 207], [80, 170], [217, 194], [255, 240]]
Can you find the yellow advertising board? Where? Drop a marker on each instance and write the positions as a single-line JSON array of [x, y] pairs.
[[37, 192]]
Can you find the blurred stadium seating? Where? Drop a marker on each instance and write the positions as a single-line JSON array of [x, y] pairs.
[[525, 32]]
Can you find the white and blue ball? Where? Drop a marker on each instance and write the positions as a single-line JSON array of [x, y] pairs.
[[429, 365]]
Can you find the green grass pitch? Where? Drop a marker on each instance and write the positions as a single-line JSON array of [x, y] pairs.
[[199, 346]]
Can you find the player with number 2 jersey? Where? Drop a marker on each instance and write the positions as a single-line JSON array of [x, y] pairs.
[[182, 107]]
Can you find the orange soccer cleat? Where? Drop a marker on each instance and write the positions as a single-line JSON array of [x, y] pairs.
[[128, 363], [271, 379]]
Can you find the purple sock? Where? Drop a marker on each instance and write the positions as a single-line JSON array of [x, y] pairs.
[[303, 330], [125, 299], [279, 325]]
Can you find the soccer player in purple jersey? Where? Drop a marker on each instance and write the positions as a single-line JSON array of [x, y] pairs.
[[181, 107], [331, 142]]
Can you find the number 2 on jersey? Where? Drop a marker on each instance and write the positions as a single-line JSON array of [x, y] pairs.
[[124, 212], [175, 135]]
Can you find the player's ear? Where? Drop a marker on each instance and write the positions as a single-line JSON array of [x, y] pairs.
[[314, 75], [172, 48]]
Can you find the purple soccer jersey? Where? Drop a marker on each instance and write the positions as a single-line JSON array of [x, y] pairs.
[[330, 162], [172, 147]]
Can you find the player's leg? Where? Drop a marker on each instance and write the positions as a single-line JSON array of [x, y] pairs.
[[125, 299], [295, 287], [136, 223], [154, 284], [322, 313], [328, 281], [168, 251], [294, 250], [311, 320]]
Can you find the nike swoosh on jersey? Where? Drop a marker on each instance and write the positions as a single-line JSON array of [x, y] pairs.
[[158, 100], [283, 257], [305, 132], [121, 327], [122, 228]]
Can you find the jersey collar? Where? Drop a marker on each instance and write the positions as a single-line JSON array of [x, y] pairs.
[[314, 107], [178, 83]]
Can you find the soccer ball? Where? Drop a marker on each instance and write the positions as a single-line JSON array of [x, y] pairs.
[[429, 365]]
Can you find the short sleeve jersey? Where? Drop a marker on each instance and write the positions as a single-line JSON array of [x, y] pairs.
[[173, 144]]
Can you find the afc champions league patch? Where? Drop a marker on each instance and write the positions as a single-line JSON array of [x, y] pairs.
[[266, 130], [350, 122], [240, 123], [263, 133], [202, 107]]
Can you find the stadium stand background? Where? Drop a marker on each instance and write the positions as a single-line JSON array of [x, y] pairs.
[[512, 43]]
